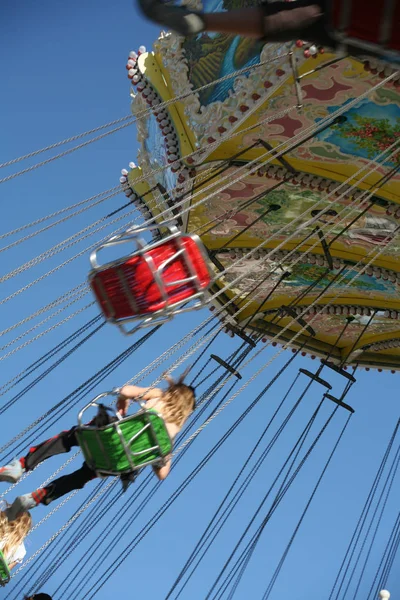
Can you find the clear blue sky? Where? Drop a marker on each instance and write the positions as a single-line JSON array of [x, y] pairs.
[[63, 72]]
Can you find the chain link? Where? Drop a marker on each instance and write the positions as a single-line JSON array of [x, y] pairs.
[[130, 121], [65, 263], [52, 328], [67, 524], [65, 244], [284, 347], [72, 301], [44, 309], [117, 191]]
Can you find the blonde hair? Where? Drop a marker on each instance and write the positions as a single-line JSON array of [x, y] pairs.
[[179, 401], [13, 533]]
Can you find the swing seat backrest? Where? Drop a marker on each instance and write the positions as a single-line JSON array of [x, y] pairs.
[[4, 570], [125, 445], [152, 280], [364, 20]]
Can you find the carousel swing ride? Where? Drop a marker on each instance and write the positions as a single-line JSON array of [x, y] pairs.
[[268, 192]]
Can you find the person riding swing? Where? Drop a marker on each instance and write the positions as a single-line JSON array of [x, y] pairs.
[[173, 406]]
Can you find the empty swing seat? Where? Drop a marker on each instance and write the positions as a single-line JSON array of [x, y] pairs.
[[368, 26], [4, 570], [125, 445], [153, 282]]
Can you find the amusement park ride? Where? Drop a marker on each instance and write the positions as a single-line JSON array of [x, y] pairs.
[[268, 179], [253, 155]]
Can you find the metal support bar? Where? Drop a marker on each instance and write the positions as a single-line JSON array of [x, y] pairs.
[[339, 402], [169, 202], [281, 159], [216, 261], [292, 313], [226, 366], [316, 378], [240, 333], [331, 365], [296, 78], [325, 247]]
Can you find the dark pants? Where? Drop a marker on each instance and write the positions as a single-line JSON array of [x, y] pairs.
[[59, 444], [286, 21]]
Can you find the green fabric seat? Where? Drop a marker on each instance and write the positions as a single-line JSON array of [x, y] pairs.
[[126, 445], [4, 570]]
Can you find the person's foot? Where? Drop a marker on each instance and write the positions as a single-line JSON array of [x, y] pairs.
[[178, 18], [12, 473], [24, 503]]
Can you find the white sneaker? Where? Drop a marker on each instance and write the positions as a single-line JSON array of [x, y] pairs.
[[21, 504], [13, 472]]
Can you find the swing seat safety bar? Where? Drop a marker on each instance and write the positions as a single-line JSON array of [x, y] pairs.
[[152, 283], [126, 444], [315, 378]]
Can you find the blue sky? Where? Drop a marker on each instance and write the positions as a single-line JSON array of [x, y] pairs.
[[63, 72]]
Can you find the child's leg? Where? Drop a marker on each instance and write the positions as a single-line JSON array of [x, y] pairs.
[[63, 442], [66, 484], [57, 488]]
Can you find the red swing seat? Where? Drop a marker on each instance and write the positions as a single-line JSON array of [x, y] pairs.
[[369, 26], [153, 282]]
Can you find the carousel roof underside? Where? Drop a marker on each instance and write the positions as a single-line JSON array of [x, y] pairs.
[[298, 206]]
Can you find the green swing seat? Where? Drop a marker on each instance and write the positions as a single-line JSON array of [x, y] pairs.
[[4, 570], [126, 445]]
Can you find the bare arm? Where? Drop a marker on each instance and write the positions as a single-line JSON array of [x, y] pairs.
[[134, 391], [163, 472]]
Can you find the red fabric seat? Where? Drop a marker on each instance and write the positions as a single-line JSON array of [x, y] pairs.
[[131, 289], [365, 21]]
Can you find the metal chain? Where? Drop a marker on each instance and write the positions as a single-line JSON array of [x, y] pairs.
[[72, 301], [65, 244], [63, 220], [67, 524], [6, 387], [11, 487], [178, 345], [131, 120], [66, 141], [69, 461], [44, 309], [52, 328], [66, 262], [58, 212], [212, 417], [66, 152], [284, 347], [53, 511]]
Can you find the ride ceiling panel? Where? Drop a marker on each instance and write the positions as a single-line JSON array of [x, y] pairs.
[[278, 205], [258, 209], [342, 149], [328, 83]]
